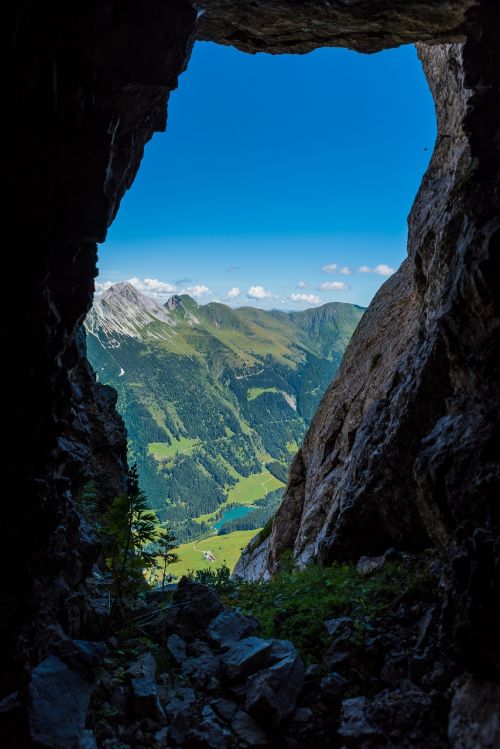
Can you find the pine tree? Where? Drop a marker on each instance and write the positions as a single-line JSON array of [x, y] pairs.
[[166, 543], [129, 527]]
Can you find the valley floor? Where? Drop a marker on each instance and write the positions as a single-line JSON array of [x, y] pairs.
[[226, 550]]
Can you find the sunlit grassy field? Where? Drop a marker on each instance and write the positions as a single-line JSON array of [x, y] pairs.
[[226, 549]]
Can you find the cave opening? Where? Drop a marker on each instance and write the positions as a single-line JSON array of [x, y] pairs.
[[283, 184], [418, 389]]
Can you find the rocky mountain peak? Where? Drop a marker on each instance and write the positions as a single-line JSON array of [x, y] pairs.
[[173, 303], [124, 310]]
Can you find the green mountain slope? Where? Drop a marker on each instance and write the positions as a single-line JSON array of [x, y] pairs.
[[215, 400]]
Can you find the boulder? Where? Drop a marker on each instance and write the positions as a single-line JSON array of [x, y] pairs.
[[272, 693], [196, 661], [332, 688], [246, 657], [144, 702], [177, 647], [83, 656], [369, 565], [203, 670], [339, 653], [474, 719], [281, 649], [195, 606], [248, 731], [58, 699], [210, 733], [230, 626], [225, 709], [354, 725], [338, 626], [180, 713]]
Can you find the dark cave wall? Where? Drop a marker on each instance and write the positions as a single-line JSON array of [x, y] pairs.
[[284, 26], [88, 85]]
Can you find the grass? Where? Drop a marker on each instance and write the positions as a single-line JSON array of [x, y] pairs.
[[227, 550], [158, 416], [253, 393], [164, 451], [251, 488], [246, 492], [292, 447], [295, 603]]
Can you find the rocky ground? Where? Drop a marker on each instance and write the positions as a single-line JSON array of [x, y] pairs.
[[193, 672]]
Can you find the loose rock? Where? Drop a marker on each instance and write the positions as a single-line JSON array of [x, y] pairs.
[[246, 657], [230, 626], [369, 565], [272, 693]]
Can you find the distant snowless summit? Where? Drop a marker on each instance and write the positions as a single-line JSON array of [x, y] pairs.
[[215, 400], [123, 309]]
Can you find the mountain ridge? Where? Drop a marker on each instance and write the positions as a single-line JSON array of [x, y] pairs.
[[215, 399]]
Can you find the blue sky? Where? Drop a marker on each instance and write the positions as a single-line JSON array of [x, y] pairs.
[[282, 181]]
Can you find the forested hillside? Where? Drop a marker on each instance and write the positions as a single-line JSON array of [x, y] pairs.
[[215, 400]]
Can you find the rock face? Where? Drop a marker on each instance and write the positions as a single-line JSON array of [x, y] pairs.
[[89, 86], [283, 26], [404, 449]]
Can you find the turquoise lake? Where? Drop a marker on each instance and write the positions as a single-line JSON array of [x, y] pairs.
[[233, 514]]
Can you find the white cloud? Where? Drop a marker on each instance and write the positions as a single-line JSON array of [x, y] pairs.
[[100, 288], [259, 292], [198, 290], [135, 282], [345, 271], [153, 286], [302, 285], [162, 286], [309, 298], [333, 286], [382, 269], [233, 293], [330, 268]]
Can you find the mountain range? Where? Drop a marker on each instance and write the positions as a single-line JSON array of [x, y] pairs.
[[215, 400]]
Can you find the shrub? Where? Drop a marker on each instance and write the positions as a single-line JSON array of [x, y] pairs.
[[295, 603]]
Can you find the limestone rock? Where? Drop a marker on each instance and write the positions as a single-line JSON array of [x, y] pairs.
[[339, 626], [180, 713], [332, 688], [474, 720], [229, 627], [195, 605], [272, 693], [252, 562], [210, 732], [58, 703], [365, 26], [247, 730], [246, 657], [225, 709], [177, 647], [354, 726], [402, 451], [369, 565], [144, 702]]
